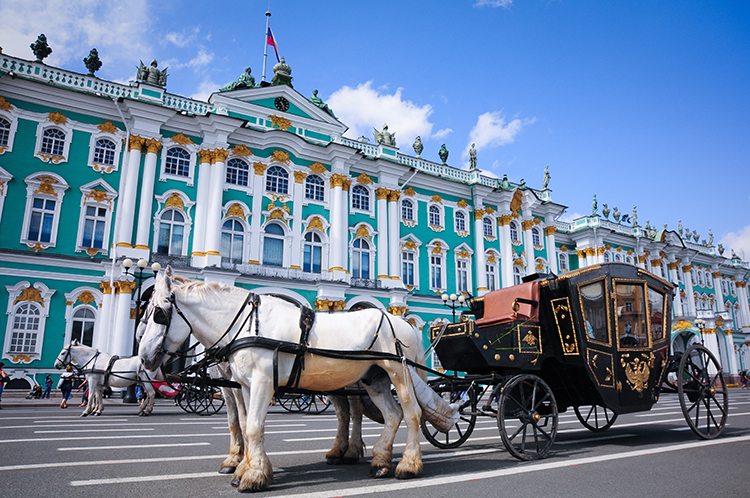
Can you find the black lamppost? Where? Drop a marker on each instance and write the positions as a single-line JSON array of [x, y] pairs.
[[139, 278], [701, 324], [453, 302]]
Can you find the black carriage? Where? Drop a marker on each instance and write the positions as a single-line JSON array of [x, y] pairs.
[[596, 340]]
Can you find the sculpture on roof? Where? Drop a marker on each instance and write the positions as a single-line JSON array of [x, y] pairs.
[[605, 212], [282, 74], [594, 206], [385, 137], [721, 249], [696, 236], [472, 158], [92, 62], [710, 237], [545, 183], [246, 80], [616, 215], [151, 74], [40, 48], [679, 227], [319, 102], [443, 153], [635, 217], [505, 184], [417, 145], [522, 185]]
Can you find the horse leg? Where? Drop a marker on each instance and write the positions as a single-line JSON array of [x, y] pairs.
[[243, 398], [229, 465], [335, 455], [411, 459], [148, 402], [356, 444], [259, 474], [379, 389], [93, 385]]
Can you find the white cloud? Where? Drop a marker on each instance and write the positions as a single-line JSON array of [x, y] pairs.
[[567, 217], [364, 108], [442, 133], [491, 130], [739, 241], [494, 3], [205, 89], [183, 39]]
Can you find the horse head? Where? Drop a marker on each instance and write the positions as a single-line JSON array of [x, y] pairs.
[[64, 358], [160, 337]]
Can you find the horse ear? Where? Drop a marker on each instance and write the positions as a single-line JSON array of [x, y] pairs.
[[74, 342], [166, 282]]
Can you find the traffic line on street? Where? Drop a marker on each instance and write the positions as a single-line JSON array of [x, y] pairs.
[[88, 431], [124, 480], [84, 438], [131, 447]]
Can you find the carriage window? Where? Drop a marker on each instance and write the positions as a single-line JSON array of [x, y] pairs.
[[631, 316], [656, 314], [594, 304]]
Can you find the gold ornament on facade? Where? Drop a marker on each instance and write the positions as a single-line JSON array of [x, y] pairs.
[[607, 247], [504, 220], [527, 224], [337, 180], [105, 287], [478, 214], [283, 124], [364, 179], [491, 258], [37, 247], [463, 253], [175, 201], [108, 127], [409, 191], [581, 254], [318, 168], [49, 158], [673, 265], [315, 224], [299, 177], [220, 155], [124, 286], [236, 210], [99, 196], [409, 244], [259, 168], [517, 201], [600, 251], [45, 187], [136, 142], [153, 146], [437, 198], [241, 150], [539, 265], [280, 156], [462, 204], [589, 251], [489, 209], [437, 250], [381, 193], [206, 156], [550, 230], [655, 262], [30, 294], [564, 248], [277, 214], [393, 195], [86, 297], [92, 251], [398, 310], [182, 139], [363, 232], [716, 274], [5, 105], [20, 358], [57, 118], [630, 251]]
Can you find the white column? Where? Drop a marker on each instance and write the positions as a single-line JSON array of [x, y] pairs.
[[127, 198], [718, 292], [103, 322], [590, 256], [337, 215], [506, 250], [742, 299], [344, 231], [214, 215], [549, 233], [383, 239], [198, 254], [297, 199], [528, 244], [689, 295], [656, 268], [677, 301], [257, 235], [146, 195], [731, 353], [479, 257], [394, 251], [122, 342], [581, 253], [712, 344]]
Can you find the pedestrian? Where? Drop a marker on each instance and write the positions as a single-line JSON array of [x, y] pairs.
[[66, 385], [85, 396], [743, 379], [47, 387], [3, 379]]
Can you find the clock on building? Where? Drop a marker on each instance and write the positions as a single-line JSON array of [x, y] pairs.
[[281, 104]]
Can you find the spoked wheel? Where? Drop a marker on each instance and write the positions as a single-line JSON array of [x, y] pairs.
[[200, 399], [315, 404], [185, 394], [527, 417], [289, 402], [462, 429], [214, 403], [595, 418], [703, 393]]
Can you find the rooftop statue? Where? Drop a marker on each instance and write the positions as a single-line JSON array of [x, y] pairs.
[[721, 249], [710, 237], [616, 215], [605, 212], [246, 80], [151, 74], [282, 74], [679, 227], [385, 137], [40, 48], [635, 217], [472, 158], [418, 147], [92, 62], [443, 153], [505, 184], [545, 183], [594, 206], [319, 102], [696, 237], [522, 185]]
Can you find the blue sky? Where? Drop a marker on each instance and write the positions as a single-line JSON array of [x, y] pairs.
[[640, 102]]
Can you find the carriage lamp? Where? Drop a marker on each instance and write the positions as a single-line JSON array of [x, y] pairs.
[[701, 324], [453, 302]]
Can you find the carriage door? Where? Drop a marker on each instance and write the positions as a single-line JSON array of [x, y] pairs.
[[634, 359], [599, 348]]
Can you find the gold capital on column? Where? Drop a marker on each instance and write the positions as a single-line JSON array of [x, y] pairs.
[[136, 142], [504, 220], [550, 230], [655, 262], [478, 214], [687, 268], [716, 274], [259, 168], [124, 286], [381, 193], [581, 254], [527, 224], [153, 145], [206, 156], [393, 195], [220, 155], [105, 287], [299, 176], [673, 265]]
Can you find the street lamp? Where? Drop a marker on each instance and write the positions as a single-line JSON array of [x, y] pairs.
[[453, 302], [701, 324], [139, 278]]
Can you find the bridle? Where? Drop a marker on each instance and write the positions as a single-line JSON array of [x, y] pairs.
[[68, 356]]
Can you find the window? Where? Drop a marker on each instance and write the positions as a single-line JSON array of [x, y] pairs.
[[104, 152], [171, 233], [407, 210], [701, 281], [462, 275], [733, 288], [277, 180], [314, 188], [311, 254], [84, 320], [178, 162], [563, 262], [460, 221], [407, 267], [724, 287], [25, 328], [490, 270], [487, 227], [514, 232], [709, 280], [94, 226], [436, 271], [238, 172], [631, 315], [232, 241], [360, 198], [665, 271], [273, 245], [594, 304], [435, 220], [692, 275], [517, 275], [629, 260], [4, 132], [656, 314], [361, 259], [53, 142], [42, 220], [42, 212], [607, 257], [536, 237], [618, 258]]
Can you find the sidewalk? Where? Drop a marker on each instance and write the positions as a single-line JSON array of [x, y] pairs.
[[17, 399]]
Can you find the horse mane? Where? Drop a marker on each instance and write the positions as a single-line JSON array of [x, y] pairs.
[[199, 287]]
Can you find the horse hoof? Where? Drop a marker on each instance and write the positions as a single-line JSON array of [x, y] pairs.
[[405, 475], [235, 482], [84, 414], [227, 470], [381, 472], [334, 461]]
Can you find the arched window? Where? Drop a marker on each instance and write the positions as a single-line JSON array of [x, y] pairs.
[[487, 227], [360, 198], [607, 257], [460, 221], [314, 188], [94, 225], [273, 245], [536, 236], [407, 210], [238, 172], [562, 262], [178, 162], [629, 260], [361, 259], [26, 320], [104, 152], [277, 180], [407, 266], [517, 275], [434, 216], [692, 276], [171, 233], [84, 320], [490, 270], [618, 258], [312, 252], [514, 232], [53, 142], [701, 282], [4, 132], [232, 241]]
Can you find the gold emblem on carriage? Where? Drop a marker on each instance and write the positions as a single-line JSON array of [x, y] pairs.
[[637, 371]]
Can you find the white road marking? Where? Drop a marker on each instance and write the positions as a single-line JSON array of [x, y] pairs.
[[132, 446], [84, 438], [88, 431]]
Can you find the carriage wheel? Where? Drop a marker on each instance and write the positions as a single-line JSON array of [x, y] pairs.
[[462, 429], [199, 398], [595, 418], [527, 417], [184, 393], [703, 393], [316, 404], [289, 402], [214, 402]]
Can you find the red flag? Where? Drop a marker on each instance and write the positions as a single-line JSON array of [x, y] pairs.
[[271, 40]]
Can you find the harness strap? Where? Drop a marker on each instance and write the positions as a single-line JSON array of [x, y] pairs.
[[108, 372]]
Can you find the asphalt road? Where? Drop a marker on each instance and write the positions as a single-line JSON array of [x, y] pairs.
[[46, 451]]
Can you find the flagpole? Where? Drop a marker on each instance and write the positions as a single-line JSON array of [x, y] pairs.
[[265, 45]]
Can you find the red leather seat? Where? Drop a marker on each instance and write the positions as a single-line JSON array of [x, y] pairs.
[[498, 304]]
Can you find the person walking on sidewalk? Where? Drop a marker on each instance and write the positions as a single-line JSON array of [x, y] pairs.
[[66, 385], [3, 379], [47, 387]]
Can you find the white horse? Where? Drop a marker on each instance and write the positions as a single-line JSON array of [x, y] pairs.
[[178, 308], [101, 371]]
